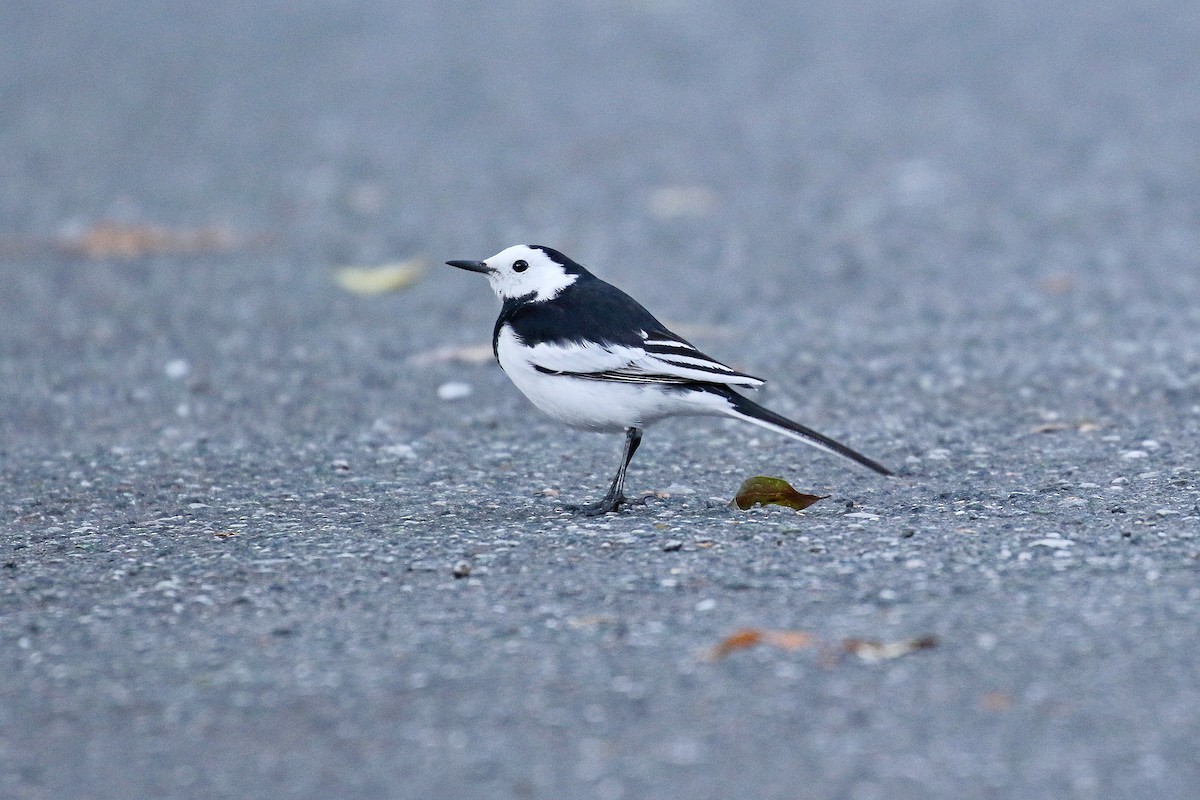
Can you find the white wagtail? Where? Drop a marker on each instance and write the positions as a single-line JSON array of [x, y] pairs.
[[589, 355]]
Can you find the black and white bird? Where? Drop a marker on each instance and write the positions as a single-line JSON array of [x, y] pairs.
[[591, 356]]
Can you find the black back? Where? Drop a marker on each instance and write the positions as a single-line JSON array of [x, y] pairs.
[[589, 309]]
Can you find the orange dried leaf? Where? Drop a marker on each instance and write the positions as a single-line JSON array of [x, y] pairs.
[[761, 490], [738, 640], [119, 240], [789, 640], [750, 637]]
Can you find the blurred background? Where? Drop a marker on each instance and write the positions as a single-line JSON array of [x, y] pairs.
[[960, 234], [375, 128], [933, 186]]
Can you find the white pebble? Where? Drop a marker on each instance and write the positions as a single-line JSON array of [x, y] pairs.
[[1057, 544], [454, 390], [177, 368]]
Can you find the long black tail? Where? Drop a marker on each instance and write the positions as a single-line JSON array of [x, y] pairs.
[[745, 408]]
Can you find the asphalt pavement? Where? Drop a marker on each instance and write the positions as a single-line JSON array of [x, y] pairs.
[[265, 537]]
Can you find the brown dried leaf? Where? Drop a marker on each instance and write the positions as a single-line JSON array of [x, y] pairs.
[[873, 651], [750, 637], [761, 490], [381, 279]]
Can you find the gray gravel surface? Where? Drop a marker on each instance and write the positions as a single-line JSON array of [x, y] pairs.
[[961, 236]]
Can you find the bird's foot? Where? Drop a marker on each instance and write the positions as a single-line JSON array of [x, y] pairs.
[[609, 504]]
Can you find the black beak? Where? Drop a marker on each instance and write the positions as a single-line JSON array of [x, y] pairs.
[[473, 266]]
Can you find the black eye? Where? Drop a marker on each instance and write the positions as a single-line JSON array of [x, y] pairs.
[[520, 266]]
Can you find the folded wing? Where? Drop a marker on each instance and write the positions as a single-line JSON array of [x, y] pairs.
[[661, 358]]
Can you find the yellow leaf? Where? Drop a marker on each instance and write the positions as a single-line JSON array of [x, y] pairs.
[[454, 354], [380, 280]]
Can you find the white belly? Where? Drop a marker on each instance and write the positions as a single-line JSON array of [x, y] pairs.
[[597, 405]]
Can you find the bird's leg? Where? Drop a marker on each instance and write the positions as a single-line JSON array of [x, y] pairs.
[[616, 496]]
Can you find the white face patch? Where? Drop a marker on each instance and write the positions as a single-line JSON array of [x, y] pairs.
[[542, 277]]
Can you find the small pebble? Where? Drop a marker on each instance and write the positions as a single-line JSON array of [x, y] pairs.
[[399, 450], [672, 546], [1052, 542], [462, 569], [176, 369], [454, 390]]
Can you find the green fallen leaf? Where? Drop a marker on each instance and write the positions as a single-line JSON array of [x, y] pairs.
[[761, 490]]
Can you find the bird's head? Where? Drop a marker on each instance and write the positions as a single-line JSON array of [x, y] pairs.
[[523, 270]]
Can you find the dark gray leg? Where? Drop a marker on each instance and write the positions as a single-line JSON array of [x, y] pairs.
[[616, 495]]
